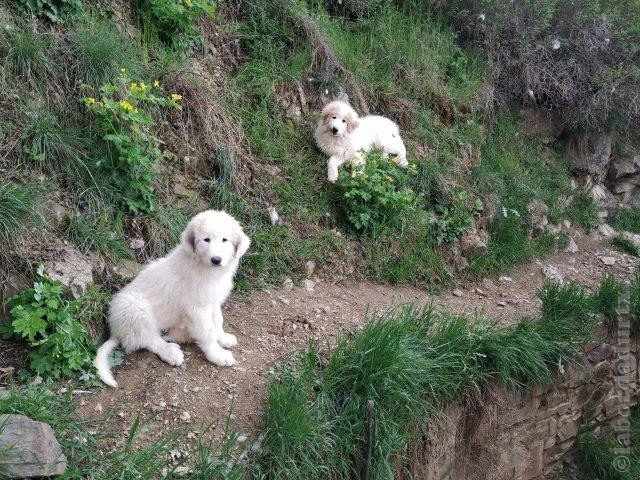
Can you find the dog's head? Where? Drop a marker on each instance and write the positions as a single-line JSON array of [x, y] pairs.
[[339, 118], [215, 238]]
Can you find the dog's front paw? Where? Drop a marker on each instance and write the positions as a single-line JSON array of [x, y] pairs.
[[221, 357], [227, 340], [173, 355], [332, 176]]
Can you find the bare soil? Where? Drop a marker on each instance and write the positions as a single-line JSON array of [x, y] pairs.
[[273, 323]]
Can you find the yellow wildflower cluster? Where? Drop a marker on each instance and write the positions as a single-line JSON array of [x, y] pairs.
[[91, 100], [142, 86], [156, 83], [128, 106], [176, 96]]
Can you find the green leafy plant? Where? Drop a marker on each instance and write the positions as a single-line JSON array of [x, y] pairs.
[[49, 322], [52, 9], [454, 218], [173, 20], [375, 192], [125, 126]]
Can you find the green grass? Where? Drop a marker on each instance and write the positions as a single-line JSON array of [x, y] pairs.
[[634, 303], [27, 53], [608, 296], [583, 211], [597, 457], [100, 231], [97, 51], [627, 219], [17, 210], [625, 245], [354, 414]]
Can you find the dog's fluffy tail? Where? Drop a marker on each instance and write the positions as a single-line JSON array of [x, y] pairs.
[[102, 362]]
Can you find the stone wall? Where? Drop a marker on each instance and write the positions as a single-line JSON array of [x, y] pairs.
[[529, 435]]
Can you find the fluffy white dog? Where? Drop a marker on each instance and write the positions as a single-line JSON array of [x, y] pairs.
[[182, 292], [341, 133]]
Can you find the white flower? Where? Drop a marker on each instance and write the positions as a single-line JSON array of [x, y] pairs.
[[530, 92], [273, 214], [556, 44], [358, 159], [481, 17]]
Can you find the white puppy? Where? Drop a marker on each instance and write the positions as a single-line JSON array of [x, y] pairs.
[[341, 134], [182, 292]]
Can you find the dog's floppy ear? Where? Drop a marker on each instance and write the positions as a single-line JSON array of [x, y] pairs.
[[326, 113], [352, 122], [188, 237], [241, 242]]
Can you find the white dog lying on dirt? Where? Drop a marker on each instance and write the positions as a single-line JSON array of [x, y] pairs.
[[182, 292], [341, 133]]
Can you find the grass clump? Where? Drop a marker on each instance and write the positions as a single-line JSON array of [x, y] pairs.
[[100, 231], [608, 296], [27, 53], [583, 210], [627, 219], [96, 52], [598, 456], [17, 209], [625, 245]]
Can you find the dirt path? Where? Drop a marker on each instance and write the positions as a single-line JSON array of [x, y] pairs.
[[271, 324]]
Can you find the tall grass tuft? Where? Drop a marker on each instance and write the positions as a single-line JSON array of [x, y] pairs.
[[17, 209], [26, 53]]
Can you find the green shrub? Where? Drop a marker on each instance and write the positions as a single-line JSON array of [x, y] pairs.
[[54, 10], [174, 21], [60, 346], [125, 126], [455, 217], [375, 192]]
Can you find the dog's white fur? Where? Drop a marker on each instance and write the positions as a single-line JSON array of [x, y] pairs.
[[341, 133], [182, 292]]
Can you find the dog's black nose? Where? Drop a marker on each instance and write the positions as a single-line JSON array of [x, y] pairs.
[[216, 260], [334, 130]]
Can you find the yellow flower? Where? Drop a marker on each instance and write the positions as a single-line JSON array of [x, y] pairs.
[[143, 86], [91, 100], [156, 83], [134, 85], [389, 178], [175, 97], [126, 105], [123, 70]]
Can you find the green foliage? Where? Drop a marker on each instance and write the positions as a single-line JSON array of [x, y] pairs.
[[132, 148], [96, 51], [625, 245], [583, 210], [375, 193], [173, 21], [54, 10], [627, 219], [49, 323], [608, 296], [634, 303], [455, 217], [26, 52], [17, 208]]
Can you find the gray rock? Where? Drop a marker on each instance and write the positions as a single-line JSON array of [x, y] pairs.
[[309, 285], [590, 153], [553, 274], [310, 267], [127, 269], [608, 261], [632, 237], [457, 293], [606, 230], [572, 247], [29, 448], [474, 243], [72, 269], [538, 211], [287, 284]]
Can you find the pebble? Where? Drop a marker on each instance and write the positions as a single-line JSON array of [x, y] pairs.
[[98, 408], [185, 416], [457, 293], [506, 279], [310, 267], [608, 260], [287, 284], [606, 230], [572, 247], [309, 285], [553, 274]]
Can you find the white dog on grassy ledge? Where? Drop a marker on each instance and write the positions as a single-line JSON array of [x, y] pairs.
[[341, 133], [183, 293]]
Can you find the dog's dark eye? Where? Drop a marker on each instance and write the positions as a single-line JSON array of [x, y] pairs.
[[344, 121], [207, 240], [224, 240], [334, 117]]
